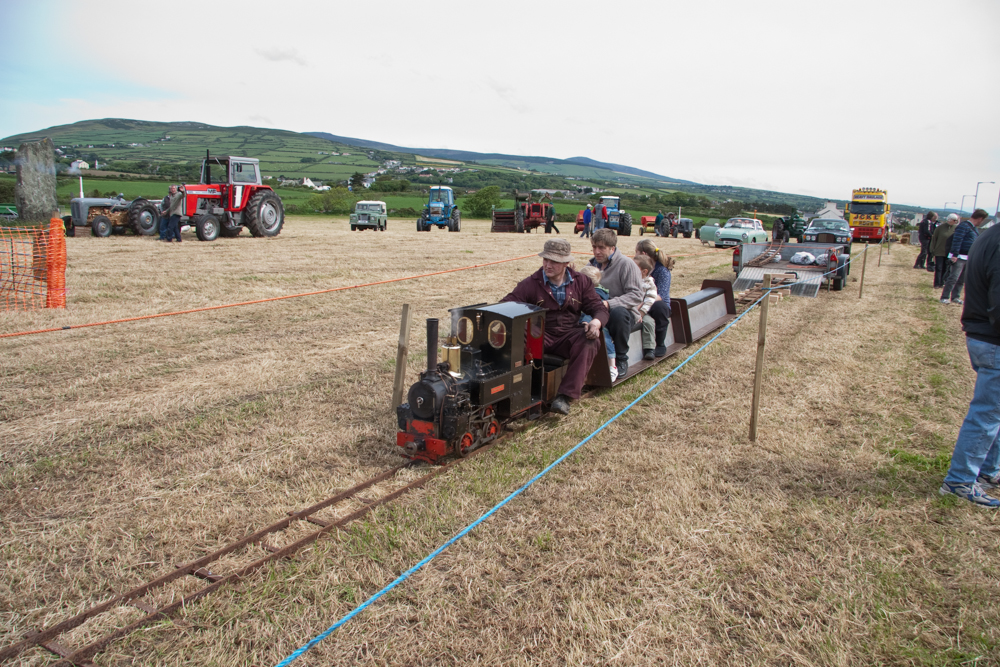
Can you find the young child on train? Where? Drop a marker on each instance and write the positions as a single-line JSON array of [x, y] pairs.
[[594, 274], [660, 311], [645, 265]]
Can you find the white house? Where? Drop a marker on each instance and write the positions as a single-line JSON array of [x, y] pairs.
[[79, 164]]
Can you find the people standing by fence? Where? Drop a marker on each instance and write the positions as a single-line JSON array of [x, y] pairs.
[[588, 218], [940, 242], [924, 232], [961, 242]]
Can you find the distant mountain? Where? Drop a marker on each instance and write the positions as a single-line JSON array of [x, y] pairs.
[[500, 159]]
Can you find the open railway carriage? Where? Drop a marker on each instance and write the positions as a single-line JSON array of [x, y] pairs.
[[494, 369]]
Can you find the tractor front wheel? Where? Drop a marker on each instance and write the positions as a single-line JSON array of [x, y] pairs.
[[207, 227], [625, 225], [143, 218], [264, 214], [100, 226], [68, 225]]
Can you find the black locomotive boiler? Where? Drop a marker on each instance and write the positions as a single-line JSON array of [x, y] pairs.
[[492, 369]]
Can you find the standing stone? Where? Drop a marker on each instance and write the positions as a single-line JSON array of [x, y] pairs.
[[35, 192]]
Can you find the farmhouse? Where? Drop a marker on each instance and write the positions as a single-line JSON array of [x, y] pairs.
[[79, 164]]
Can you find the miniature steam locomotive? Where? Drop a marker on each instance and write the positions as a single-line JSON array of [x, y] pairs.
[[493, 370]]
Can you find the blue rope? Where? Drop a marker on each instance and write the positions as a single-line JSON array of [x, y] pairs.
[[465, 531]]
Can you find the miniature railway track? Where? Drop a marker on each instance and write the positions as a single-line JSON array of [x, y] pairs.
[[81, 657]]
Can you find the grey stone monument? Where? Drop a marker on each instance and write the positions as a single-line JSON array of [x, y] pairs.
[[35, 192]]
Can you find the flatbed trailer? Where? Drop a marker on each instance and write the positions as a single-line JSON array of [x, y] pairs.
[[752, 260]]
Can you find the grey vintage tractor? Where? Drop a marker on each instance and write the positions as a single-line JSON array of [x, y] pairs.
[[114, 214]]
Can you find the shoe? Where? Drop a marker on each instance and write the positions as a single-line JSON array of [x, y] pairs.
[[971, 492], [613, 368], [958, 301], [647, 355], [988, 481], [945, 300], [918, 267], [660, 350], [622, 364], [561, 405]]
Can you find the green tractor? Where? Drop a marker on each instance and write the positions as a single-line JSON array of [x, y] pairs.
[[793, 226]]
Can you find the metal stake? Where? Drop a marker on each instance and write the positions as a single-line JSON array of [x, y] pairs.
[[864, 262], [759, 372]]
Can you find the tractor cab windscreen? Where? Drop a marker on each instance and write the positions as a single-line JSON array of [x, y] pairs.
[[440, 195], [610, 202], [214, 170], [244, 172]]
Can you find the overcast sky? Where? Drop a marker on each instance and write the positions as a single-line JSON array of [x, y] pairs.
[[804, 97]]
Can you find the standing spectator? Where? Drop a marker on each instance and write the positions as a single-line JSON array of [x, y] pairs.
[[974, 463], [940, 242], [163, 218], [961, 241], [550, 219], [658, 223], [924, 232], [600, 215], [174, 211], [624, 282], [588, 218]]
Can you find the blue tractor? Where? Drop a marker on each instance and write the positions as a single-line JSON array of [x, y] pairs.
[[440, 210], [618, 220]]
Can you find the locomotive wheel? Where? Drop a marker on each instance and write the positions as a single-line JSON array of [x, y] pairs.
[[625, 225], [492, 429], [143, 218], [465, 445], [207, 227], [100, 226], [264, 214]]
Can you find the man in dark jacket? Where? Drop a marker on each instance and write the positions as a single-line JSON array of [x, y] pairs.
[[565, 294], [924, 232], [961, 241], [975, 463], [940, 243]]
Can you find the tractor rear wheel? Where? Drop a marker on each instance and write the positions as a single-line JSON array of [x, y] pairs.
[[456, 221], [264, 214], [519, 222], [100, 226], [625, 225], [207, 227], [143, 218]]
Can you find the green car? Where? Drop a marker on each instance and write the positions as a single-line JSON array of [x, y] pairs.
[[369, 215], [741, 230]]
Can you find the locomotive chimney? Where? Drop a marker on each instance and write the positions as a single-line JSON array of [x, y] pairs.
[[432, 343]]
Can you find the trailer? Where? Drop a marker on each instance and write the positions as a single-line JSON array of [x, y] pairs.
[[752, 260]]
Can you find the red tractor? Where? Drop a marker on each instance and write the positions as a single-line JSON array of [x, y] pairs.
[[524, 217], [230, 197]]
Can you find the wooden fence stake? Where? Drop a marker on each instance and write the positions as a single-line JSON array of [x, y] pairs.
[[864, 262], [402, 354], [880, 253], [759, 372]]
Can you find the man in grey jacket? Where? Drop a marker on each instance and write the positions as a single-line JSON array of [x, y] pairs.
[[623, 280], [174, 213]]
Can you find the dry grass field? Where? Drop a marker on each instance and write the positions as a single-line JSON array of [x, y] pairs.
[[669, 539]]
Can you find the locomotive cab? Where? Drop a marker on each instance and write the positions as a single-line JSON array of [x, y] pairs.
[[491, 371]]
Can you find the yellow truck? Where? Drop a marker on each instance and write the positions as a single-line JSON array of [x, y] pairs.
[[867, 213]]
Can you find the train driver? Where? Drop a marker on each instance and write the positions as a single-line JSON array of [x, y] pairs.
[[564, 294]]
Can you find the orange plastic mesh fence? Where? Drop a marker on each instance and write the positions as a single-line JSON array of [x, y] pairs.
[[33, 267]]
